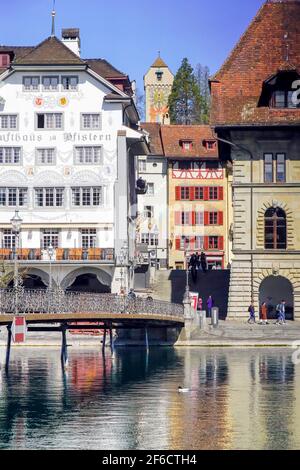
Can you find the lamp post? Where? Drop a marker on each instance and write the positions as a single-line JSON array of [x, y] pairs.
[[50, 250], [156, 234], [187, 287], [16, 223], [123, 259]]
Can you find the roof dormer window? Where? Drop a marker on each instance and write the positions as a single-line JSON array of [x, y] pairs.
[[4, 60], [209, 144], [186, 144], [279, 91]]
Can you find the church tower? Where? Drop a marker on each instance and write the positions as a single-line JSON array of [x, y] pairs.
[[158, 83]]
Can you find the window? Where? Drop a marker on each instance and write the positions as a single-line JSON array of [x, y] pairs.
[[213, 218], [50, 121], [283, 99], [199, 243], [213, 194], [280, 168], [31, 83], [209, 144], [9, 239], [10, 155], [275, 229], [70, 83], [149, 212], [185, 243], [199, 193], [213, 243], [49, 197], [4, 60], [142, 166], [199, 218], [150, 189], [268, 162], [50, 237], [50, 83], [150, 239], [8, 122], [13, 197], [87, 196], [185, 165], [186, 144], [91, 121], [185, 193], [45, 156], [185, 218], [88, 155], [88, 238]]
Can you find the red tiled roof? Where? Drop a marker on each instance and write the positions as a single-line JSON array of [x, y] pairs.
[[174, 134], [104, 68], [155, 143], [270, 44]]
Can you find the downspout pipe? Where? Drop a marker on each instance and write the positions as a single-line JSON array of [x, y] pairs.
[[246, 150]]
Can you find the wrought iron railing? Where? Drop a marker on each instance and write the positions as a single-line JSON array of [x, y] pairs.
[[60, 254], [60, 302]]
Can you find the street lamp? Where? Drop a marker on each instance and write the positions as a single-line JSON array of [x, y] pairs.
[[50, 250], [123, 258], [16, 223], [187, 287], [156, 234]]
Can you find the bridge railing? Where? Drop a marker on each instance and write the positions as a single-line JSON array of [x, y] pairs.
[[60, 302]]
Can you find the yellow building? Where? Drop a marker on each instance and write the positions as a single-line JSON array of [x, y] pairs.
[[198, 195], [158, 83]]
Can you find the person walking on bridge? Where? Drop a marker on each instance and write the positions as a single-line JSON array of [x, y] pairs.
[[210, 304]]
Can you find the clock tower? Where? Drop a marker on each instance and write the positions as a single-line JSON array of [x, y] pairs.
[[158, 83]]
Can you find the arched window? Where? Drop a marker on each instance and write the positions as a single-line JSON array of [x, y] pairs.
[[275, 229]]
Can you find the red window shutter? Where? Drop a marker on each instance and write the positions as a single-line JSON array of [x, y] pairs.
[[192, 193], [193, 218], [220, 218], [206, 193], [178, 220], [177, 243], [221, 243], [192, 243], [178, 193], [206, 243], [221, 193], [206, 218]]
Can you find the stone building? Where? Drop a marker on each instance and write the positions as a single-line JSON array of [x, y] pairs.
[[256, 110], [158, 83], [68, 146]]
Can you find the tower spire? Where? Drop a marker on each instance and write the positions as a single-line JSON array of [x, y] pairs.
[[53, 20]]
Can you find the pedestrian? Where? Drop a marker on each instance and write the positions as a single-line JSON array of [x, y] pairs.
[[210, 304], [281, 313], [264, 314], [131, 294], [193, 265], [251, 311], [200, 304], [203, 262]]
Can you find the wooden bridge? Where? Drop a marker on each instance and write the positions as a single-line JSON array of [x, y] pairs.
[[106, 312]]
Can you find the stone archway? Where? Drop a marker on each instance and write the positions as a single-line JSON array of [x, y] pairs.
[[87, 280], [34, 278], [274, 289]]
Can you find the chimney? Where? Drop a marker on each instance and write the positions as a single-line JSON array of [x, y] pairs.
[[71, 39]]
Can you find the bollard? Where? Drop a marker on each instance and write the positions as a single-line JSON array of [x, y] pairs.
[[202, 319], [215, 317]]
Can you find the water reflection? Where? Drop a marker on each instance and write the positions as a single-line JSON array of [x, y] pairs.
[[238, 399]]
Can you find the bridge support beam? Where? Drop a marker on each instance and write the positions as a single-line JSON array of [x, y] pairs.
[[64, 348], [8, 347], [112, 345], [104, 341]]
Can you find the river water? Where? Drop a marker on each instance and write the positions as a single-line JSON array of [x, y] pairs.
[[238, 399]]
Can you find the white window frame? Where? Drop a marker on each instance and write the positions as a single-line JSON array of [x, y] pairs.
[[87, 121], [85, 149], [152, 192], [45, 150], [46, 126], [50, 77], [56, 192], [4, 154], [9, 118], [88, 238], [6, 191], [8, 239], [64, 77], [31, 88], [82, 191], [54, 238]]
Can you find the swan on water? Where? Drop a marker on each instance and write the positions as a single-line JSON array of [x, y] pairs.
[[183, 390]]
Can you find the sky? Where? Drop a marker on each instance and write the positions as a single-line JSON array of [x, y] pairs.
[[129, 33]]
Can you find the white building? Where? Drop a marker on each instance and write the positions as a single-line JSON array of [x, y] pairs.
[[68, 142], [152, 225]]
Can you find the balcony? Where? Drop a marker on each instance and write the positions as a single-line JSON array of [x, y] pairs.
[[60, 254]]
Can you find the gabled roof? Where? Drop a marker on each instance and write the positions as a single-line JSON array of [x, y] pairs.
[[173, 135], [104, 68], [155, 144], [50, 52], [270, 44], [159, 63]]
